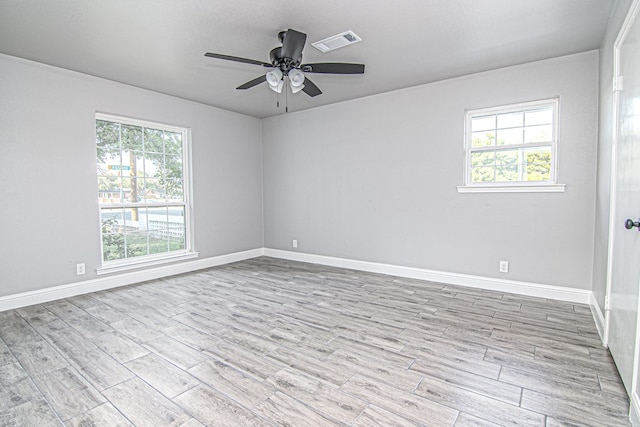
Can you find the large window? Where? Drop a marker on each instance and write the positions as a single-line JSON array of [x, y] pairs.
[[512, 146], [142, 190]]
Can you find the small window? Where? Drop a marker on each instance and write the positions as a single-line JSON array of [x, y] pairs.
[[142, 190], [513, 147]]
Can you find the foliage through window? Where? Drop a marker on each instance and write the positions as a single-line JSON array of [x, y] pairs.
[[514, 144], [141, 189]]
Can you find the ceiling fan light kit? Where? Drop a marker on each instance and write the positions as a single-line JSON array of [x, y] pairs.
[[286, 64]]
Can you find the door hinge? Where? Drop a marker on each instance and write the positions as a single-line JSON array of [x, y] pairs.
[[607, 305], [618, 83]]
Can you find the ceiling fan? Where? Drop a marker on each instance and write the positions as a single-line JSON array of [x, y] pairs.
[[286, 65]]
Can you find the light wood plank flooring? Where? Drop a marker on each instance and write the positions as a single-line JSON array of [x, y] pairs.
[[269, 342]]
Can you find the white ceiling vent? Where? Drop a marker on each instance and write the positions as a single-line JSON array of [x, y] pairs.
[[334, 42]]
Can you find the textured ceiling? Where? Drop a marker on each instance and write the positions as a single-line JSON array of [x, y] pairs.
[[159, 44]]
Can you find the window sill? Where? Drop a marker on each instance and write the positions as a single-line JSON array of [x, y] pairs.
[[120, 267], [538, 188]]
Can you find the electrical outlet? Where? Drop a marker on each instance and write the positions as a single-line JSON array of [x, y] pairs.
[[294, 243], [80, 269], [504, 266]]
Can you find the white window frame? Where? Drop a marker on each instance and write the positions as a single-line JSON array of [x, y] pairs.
[[516, 186], [166, 257]]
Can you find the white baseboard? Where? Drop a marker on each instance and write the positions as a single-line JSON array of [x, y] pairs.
[[65, 291], [598, 317], [634, 410], [522, 288]]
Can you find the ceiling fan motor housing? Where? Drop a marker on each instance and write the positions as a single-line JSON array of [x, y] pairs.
[[285, 64], [276, 56]]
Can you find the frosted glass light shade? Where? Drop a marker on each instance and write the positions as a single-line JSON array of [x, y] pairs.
[[296, 77], [274, 79]]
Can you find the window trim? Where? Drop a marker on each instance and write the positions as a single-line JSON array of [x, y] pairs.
[[188, 252], [516, 186]]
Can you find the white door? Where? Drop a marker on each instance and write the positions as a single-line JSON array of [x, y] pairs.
[[625, 259]]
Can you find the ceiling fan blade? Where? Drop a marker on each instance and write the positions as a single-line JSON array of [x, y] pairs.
[[333, 68], [293, 44], [237, 59], [254, 82], [310, 88]]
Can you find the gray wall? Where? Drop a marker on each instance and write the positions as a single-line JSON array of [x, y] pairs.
[[49, 218], [375, 179], [605, 129], [371, 179]]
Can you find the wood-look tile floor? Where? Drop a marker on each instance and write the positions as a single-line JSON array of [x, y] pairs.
[[269, 342]]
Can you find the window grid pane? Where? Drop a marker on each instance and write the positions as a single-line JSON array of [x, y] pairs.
[[510, 120], [140, 172], [519, 165], [512, 146]]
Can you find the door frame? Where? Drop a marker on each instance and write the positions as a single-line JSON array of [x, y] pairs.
[[632, 14]]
